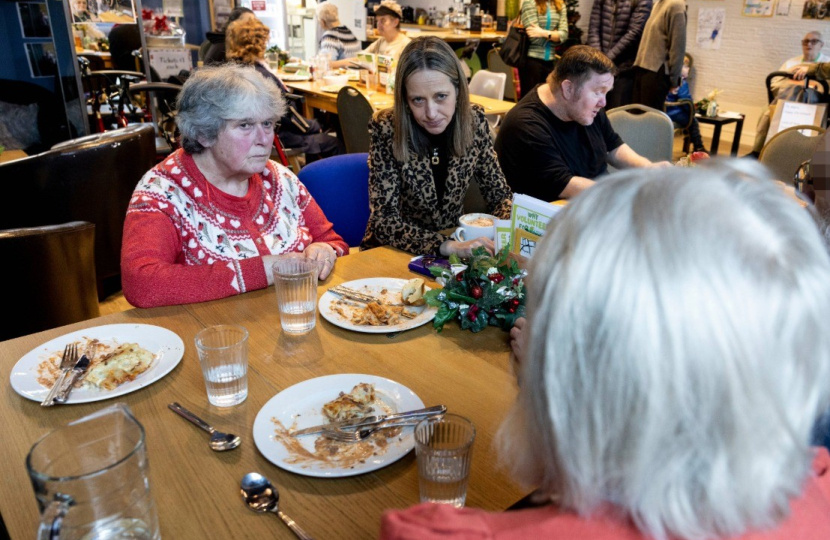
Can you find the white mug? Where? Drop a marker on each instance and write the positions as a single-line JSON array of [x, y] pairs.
[[475, 226]]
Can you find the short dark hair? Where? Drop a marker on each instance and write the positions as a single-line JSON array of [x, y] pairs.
[[578, 64], [236, 13]]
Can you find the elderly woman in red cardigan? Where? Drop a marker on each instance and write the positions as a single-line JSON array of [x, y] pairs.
[[207, 222]]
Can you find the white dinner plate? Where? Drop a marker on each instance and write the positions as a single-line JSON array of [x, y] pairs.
[[292, 77], [167, 347], [374, 286], [300, 406], [332, 88]]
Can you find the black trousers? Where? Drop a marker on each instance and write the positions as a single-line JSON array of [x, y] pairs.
[[650, 88], [623, 90], [533, 72]]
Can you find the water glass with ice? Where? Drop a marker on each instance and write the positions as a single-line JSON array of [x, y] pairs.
[[295, 280], [445, 449], [90, 479], [223, 354]]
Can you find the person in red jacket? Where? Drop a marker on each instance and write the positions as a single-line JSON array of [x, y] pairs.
[[671, 367], [207, 222]]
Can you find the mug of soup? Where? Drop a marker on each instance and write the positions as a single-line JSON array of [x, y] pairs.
[[474, 226]]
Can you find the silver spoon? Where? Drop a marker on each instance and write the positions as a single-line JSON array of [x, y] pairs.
[[261, 496], [218, 441]]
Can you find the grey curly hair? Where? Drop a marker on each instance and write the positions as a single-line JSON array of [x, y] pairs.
[[214, 95]]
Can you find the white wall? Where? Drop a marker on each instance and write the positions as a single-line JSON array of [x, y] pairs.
[[751, 48]]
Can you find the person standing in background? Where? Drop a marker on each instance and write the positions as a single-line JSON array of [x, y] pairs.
[[546, 22], [616, 28], [660, 55]]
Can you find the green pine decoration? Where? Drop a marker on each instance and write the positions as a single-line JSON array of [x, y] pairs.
[[487, 290]]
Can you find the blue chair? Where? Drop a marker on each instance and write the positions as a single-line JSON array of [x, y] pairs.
[[340, 185]]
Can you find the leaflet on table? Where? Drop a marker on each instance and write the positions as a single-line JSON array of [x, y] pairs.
[[529, 219], [386, 72], [370, 62]]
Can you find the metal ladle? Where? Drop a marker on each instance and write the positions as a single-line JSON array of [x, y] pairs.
[[218, 441], [261, 496]]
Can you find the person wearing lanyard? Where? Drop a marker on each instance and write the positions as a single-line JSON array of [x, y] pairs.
[[546, 22]]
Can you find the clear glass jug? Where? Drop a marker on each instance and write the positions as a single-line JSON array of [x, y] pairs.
[[90, 479]]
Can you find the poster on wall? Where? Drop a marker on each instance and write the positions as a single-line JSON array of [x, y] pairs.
[[34, 20], [783, 8], [43, 61], [815, 9], [757, 8], [108, 11], [710, 27]]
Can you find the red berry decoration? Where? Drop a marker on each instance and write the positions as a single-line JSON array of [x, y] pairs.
[[459, 276], [496, 278], [511, 310], [514, 303], [476, 292]]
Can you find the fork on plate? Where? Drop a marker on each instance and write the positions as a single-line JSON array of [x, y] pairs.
[[361, 434], [70, 356]]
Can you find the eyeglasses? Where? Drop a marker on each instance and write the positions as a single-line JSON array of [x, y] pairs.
[[810, 41]]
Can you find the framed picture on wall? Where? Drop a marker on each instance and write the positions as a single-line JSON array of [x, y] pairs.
[[109, 11], [34, 20], [815, 9], [758, 8], [42, 59]]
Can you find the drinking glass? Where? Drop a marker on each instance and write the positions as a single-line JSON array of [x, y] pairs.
[[295, 280], [223, 354], [445, 449], [90, 479]]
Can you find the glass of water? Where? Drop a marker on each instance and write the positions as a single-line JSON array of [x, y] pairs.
[[445, 450], [295, 280], [223, 354]]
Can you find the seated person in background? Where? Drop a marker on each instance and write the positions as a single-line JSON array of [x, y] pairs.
[[245, 43], [392, 41], [661, 396], [124, 39], [424, 153], [216, 52], [557, 139], [206, 222], [790, 90], [337, 40], [680, 115]]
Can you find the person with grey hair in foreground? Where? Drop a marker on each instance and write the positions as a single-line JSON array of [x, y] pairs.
[[206, 222], [674, 360]]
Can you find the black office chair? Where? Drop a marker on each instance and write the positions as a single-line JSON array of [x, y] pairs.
[[88, 179], [51, 275], [824, 96], [355, 112]]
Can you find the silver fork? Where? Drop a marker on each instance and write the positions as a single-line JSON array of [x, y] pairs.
[[70, 356], [358, 435]]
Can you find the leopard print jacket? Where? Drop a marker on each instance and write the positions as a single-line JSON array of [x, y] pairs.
[[404, 202]]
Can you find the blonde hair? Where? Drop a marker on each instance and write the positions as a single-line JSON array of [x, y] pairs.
[[542, 6], [430, 53], [246, 40], [677, 355]]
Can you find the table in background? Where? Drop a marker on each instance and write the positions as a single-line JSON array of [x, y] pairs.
[[11, 155], [719, 122], [317, 98], [197, 491]]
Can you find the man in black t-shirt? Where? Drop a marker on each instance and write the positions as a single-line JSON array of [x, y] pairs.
[[557, 139]]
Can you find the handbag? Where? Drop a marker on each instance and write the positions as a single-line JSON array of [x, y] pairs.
[[514, 49]]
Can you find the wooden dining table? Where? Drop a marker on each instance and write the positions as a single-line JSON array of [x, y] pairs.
[[196, 490], [317, 98]]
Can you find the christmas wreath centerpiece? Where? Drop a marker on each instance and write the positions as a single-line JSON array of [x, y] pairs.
[[485, 290]]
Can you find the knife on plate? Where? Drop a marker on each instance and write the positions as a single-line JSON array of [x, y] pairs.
[[78, 372], [420, 414]]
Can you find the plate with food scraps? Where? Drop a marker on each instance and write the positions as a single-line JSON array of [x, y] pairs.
[[124, 358], [389, 314], [302, 405], [295, 77]]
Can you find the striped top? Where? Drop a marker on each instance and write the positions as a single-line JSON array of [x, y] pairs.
[[339, 43], [543, 48]]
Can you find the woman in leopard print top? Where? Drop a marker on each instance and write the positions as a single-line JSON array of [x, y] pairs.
[[424, 153]]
